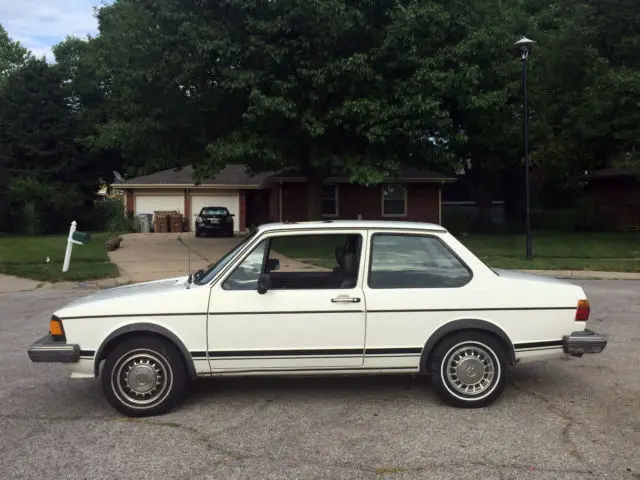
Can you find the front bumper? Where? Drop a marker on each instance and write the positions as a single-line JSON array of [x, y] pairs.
[[48, 350], [584, 341]]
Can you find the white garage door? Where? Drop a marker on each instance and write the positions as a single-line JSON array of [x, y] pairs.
[[232, 202], [153, 203]]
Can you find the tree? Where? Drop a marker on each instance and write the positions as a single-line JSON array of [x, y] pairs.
[[49, 180], [313, 85], [12, 55]]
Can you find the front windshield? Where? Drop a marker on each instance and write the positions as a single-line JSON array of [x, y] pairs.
[[213, 269], [214, 211]]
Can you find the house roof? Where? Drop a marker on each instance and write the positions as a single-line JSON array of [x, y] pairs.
[[237, 176], [406, 174], [232, 176]]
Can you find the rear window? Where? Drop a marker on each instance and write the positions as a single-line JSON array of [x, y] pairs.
[[214, 211]]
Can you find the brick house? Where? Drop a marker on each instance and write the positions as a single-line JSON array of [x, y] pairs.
[[282, 196]]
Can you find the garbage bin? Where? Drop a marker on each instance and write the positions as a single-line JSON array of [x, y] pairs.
[[145, 222]]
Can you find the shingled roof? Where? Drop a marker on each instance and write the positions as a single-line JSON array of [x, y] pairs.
[[237, 176]]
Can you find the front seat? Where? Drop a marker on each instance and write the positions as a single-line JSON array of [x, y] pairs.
[[349, 275]]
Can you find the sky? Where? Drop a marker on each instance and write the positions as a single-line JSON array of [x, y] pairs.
[[40, 24]]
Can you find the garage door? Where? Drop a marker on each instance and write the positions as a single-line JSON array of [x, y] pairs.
[[232, 202], [153, 203]]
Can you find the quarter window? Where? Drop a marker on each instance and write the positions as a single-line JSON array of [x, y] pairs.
[[394, 201], [245, 276], [414, 261], [330, 200]]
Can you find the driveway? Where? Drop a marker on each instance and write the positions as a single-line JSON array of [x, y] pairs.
[[577, 419], [153, 256]]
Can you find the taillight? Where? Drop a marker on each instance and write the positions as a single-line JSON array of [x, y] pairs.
[[55, 329], [583, 310]]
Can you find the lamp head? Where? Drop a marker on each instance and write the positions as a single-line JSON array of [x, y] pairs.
[[523, 47]]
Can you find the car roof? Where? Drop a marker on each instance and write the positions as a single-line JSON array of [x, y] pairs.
[[341, 224], [213, 207]]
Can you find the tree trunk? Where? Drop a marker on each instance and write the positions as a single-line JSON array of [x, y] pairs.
[[314, 198]]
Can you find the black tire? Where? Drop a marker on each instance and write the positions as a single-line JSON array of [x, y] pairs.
[[198, 234], [488, 369], [158, 362], [230, 232]]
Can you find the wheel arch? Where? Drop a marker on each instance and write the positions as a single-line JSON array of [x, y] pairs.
[[128, 331], [462, 325]]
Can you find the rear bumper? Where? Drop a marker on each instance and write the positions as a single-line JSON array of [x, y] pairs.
[[585, 341], [47, 350]]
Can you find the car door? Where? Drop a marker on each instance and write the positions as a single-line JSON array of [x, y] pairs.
[[312, 316], [414, 284]]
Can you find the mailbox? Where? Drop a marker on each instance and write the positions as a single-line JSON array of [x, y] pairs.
[[80, 237]]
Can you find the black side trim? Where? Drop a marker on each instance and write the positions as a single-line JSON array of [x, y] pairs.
[[545, 344], [138, 315], [465, 324], [292, 312], [318, 369], [286, 353], [309, 353], [151, 328], [393, 351], [87, 353], [509, 309]]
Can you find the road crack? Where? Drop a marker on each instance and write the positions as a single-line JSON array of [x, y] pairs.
[[572, 447]]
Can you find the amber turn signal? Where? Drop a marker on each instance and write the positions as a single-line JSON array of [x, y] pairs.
[[583, 310], [55, 328]]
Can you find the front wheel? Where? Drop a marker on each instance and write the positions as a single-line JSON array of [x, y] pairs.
[[469, 369], [144, 376]]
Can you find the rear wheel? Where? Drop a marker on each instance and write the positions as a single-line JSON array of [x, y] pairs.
[[144, 376], [469, 369]]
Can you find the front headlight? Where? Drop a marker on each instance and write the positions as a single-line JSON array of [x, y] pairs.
[[198, 219]]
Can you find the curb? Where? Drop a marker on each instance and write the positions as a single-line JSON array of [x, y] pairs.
[[586, 274]]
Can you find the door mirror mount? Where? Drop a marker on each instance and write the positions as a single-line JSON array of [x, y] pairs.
[[264, 283]]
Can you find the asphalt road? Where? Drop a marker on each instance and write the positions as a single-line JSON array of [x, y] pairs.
[[572, 419]]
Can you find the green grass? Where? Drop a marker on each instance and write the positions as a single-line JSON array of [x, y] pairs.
[[616, 252], [25, 256]]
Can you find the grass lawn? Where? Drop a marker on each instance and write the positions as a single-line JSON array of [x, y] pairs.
[[618, 252], [24, 256], [551, 251]]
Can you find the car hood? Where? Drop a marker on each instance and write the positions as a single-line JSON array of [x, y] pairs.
[[128, 297]]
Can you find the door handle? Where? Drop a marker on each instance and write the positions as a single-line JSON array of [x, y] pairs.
[[345, 299]]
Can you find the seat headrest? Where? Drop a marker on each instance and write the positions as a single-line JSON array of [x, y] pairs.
[[350, 263], [339, 253]]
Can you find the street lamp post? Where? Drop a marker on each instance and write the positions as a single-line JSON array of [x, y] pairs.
[[523, 48]]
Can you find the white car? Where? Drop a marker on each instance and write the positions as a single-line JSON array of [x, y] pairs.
[[402, 298]]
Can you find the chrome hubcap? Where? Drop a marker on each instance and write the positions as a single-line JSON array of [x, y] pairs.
[[470, 370], [142, 378]]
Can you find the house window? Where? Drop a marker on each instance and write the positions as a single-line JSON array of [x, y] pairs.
[[329, 200], [394, 201]]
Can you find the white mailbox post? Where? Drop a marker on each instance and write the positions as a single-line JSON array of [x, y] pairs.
[[79, 238]]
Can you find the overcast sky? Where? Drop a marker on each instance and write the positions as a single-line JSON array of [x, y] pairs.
[[40, 24]]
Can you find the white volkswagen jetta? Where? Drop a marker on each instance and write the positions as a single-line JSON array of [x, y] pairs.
[[323, 298]]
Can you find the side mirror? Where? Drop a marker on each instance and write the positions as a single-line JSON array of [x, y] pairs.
[[232, 214], [273, 264], [264, 282]]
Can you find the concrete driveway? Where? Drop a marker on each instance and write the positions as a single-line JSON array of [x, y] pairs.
[[576, 419], [152, 256]]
